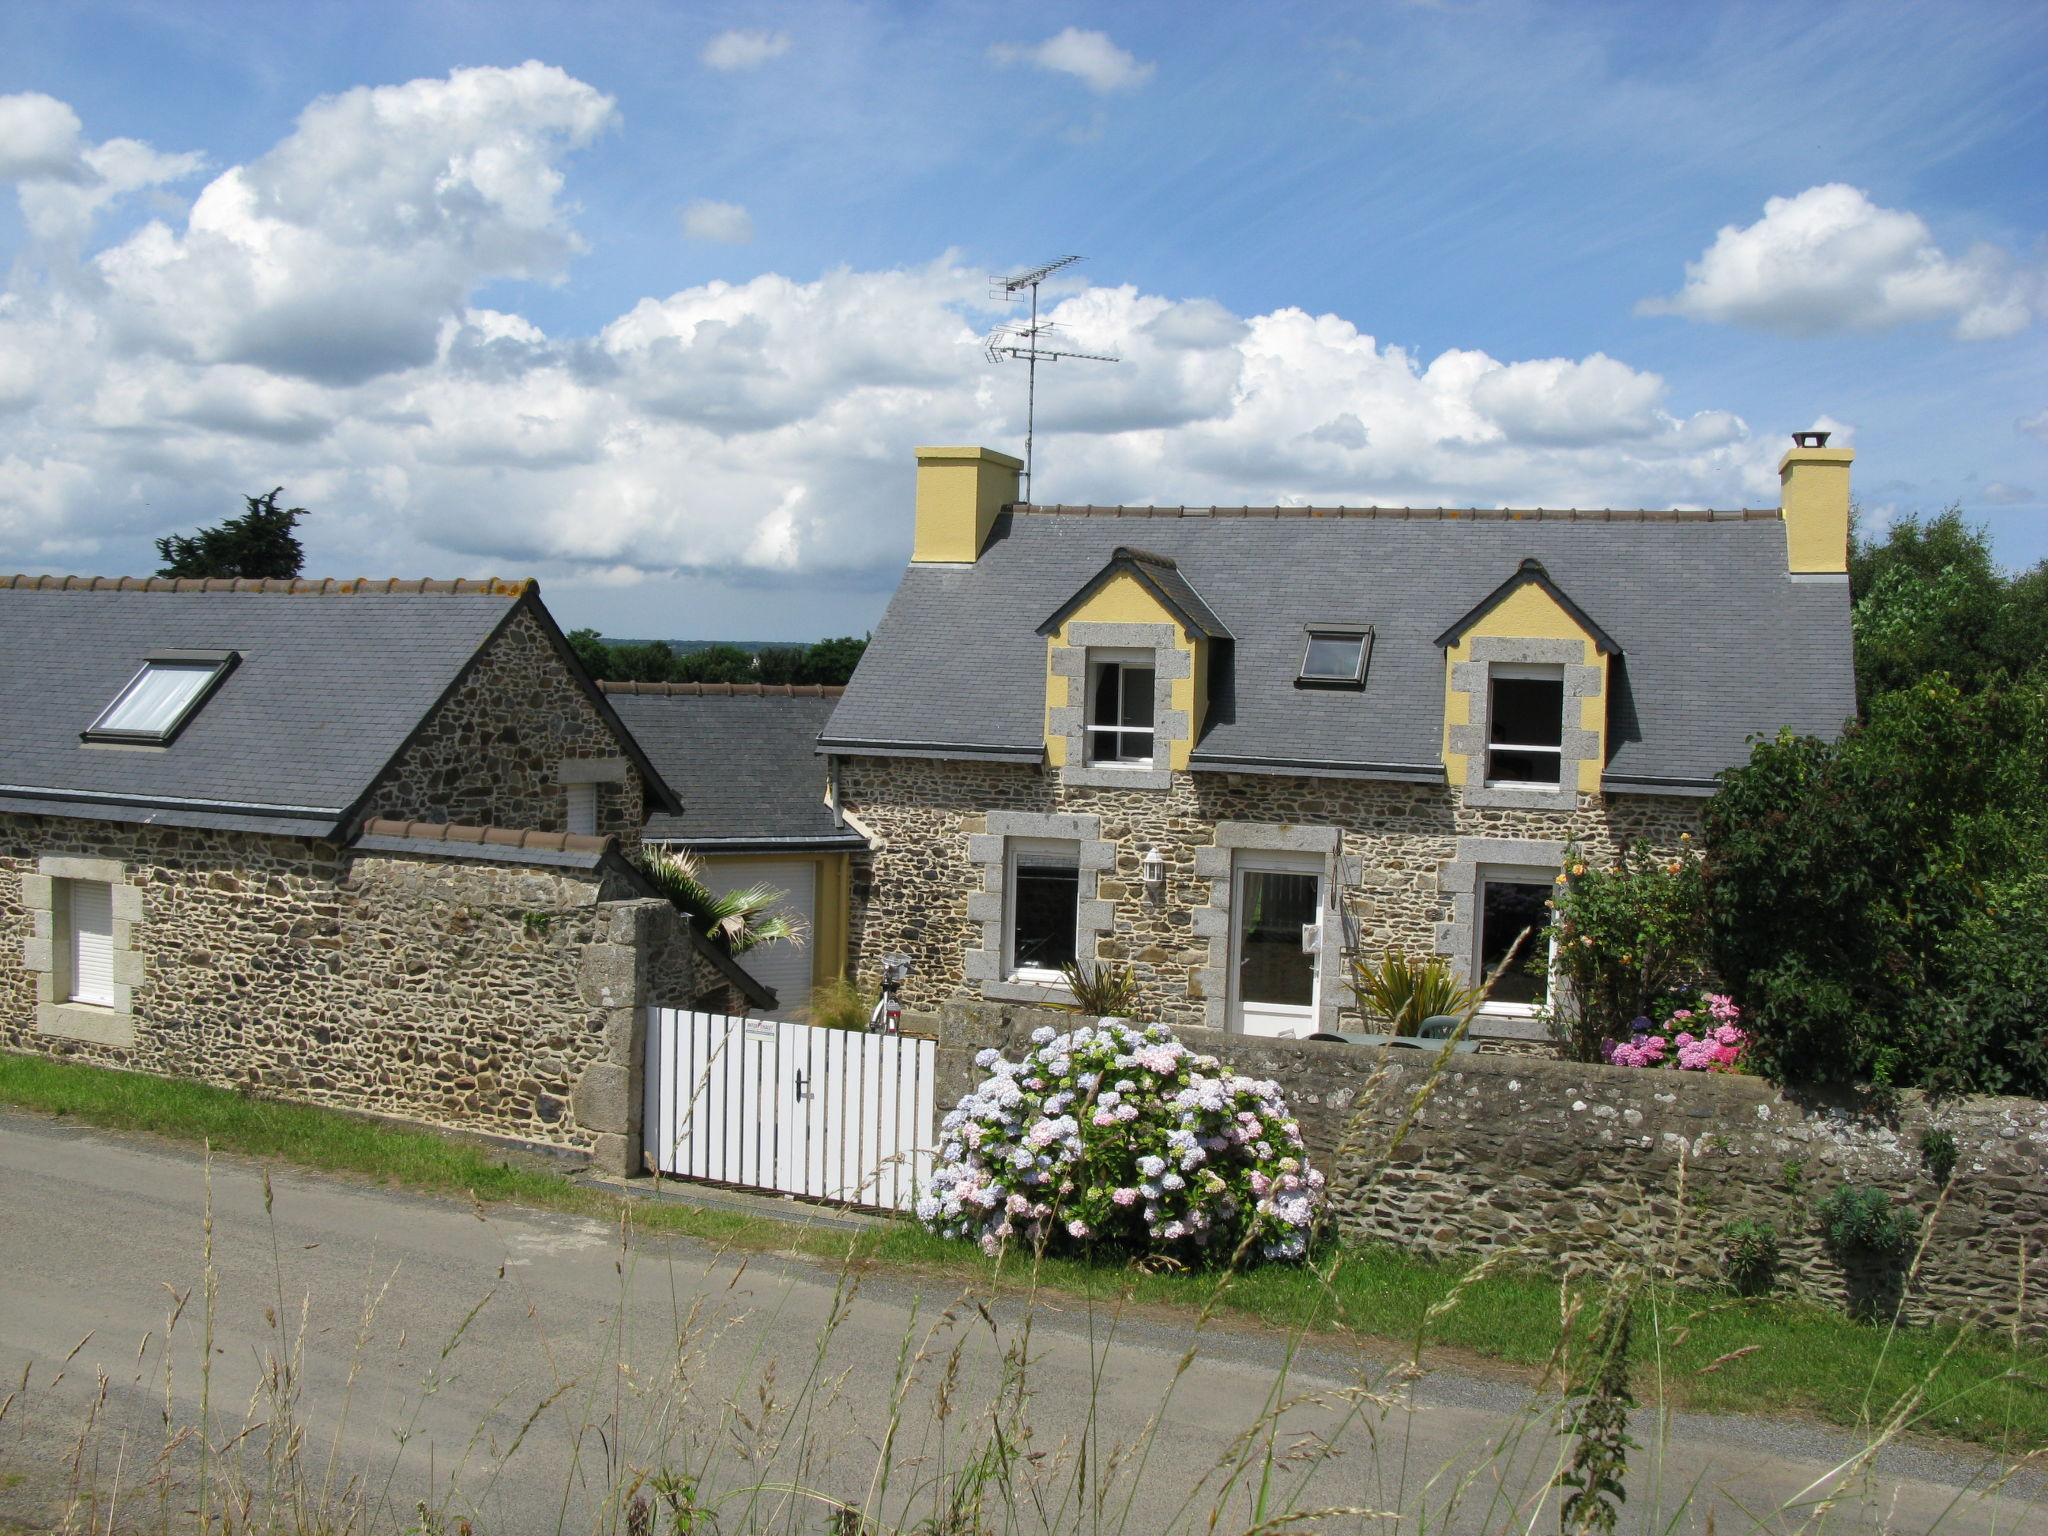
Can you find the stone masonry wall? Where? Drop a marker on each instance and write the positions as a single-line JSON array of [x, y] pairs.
[[490, 755], [1554, 1162], [1398, 841], [499, 997]]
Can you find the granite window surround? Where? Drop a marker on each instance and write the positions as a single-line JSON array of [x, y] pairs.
[[1458, 936], [985, 968], [1069, 659], [44, 952], [1218, 865], [1473, 678]]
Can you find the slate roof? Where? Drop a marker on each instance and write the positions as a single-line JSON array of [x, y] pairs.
[[750, 757], [334, 679], [1717, 642]]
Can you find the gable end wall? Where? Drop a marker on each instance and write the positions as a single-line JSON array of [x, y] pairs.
[[491, 755]]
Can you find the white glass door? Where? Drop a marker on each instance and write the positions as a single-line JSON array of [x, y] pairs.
[[1276, 920]]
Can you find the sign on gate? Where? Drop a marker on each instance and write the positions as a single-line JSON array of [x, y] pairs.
[[796, 1108]]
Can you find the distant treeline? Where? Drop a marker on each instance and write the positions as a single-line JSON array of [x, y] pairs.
[[657, 661]]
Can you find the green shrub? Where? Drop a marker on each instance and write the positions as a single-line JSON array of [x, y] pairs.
[[1869, 899], [1624, 939], [1859, 1220], [839, 1004], [1938, 1151], [1749, 1254], [1400, 991]]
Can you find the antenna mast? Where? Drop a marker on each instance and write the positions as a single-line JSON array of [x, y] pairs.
[[1022, 341]]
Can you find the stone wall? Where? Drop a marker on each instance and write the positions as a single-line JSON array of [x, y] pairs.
[[1553, 1162], [492, 755], [1401, 849], [498, 996]]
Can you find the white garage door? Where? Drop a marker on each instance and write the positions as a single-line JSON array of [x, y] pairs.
[[783, 966]]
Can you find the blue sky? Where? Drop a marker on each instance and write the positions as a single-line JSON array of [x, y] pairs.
[[660, 317]]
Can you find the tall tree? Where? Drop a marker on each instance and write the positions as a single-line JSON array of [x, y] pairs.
[[259, 543]]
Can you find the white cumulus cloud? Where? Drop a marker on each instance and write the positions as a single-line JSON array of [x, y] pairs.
[[315, 321], [39, 139], [717, 223], [744, 48], [1089, 57], [1830, 260]]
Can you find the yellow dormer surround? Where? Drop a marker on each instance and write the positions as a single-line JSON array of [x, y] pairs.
[[959, 492], [1526, 621], [1137, 602], [1815, 505]]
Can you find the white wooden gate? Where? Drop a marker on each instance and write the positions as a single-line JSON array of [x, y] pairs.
[[794, 1108]]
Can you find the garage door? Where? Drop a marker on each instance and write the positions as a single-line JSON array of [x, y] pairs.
[[782, 965]]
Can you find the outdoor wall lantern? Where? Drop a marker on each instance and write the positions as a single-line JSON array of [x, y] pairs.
[[1153, 867]]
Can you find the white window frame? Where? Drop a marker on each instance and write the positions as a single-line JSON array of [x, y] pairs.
[[1533, 672], [210, 666], [1048, 850], [1511, 874], [73, 989], [1123, 659]]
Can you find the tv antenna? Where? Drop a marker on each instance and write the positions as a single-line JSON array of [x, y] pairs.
[[1023, 342]]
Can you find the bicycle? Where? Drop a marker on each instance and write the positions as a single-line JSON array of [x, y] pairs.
[[887, 1019]]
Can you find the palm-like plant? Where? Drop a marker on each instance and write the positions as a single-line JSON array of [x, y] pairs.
[[1106, 989], [736, 921], [1401, 990]]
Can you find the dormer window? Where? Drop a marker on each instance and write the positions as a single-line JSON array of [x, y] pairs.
[[162, 697], [1120, 713], [1336, 656], [1525, 725]]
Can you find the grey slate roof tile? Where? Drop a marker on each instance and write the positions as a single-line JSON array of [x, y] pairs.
[[1717, 642], [750, 761], [329, 687]]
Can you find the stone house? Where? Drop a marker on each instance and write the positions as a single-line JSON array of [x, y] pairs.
[[361, 843], [759, 810], [1226, 744]]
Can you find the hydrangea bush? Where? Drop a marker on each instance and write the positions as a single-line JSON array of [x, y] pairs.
[[1122, 1137], [1696, 1035]]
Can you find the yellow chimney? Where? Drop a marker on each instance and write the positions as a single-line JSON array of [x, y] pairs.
[[959, 493], [1815, 504]]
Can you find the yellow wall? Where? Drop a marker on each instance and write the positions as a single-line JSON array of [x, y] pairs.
[[959, 492], [1815, 507], [828, 938], [1123, 599], [1528, 613]]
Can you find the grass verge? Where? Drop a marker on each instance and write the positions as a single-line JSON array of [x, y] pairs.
[[1716, 1354]]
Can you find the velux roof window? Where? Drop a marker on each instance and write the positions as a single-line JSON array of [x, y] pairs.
[[162, 697], [1336, 656]]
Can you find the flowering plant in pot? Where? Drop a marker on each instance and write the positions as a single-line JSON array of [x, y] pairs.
[[1114, 1136]]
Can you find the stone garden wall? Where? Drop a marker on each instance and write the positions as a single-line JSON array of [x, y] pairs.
[[491, 755], [502, 997], [1552, 1162], [1401, 848]]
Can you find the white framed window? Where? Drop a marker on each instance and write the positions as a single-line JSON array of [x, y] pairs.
[[1506, 901], [1524, 725], [88, 974], [1120, 707], [582, 814], [1042, 907], [1335, 655], [162, 697]]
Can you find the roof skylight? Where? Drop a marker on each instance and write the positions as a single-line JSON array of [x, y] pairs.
[[160, 698], [1336, 655]]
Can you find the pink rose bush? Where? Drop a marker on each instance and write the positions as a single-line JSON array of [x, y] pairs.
[[1123, 1137], [1705, 1036]]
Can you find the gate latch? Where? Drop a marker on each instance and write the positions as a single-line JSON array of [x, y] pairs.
[[799, 1085]]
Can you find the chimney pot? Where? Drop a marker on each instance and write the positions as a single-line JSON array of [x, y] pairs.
[[1810, 439]]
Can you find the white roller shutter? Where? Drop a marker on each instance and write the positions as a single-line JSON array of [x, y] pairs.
[[782, 965], [92, 942], [582, 809]]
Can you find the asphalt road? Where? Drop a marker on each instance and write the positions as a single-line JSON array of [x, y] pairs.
[[407, 1363]]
